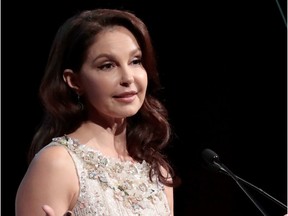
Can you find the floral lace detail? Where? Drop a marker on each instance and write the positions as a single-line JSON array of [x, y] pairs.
[[127, 181]]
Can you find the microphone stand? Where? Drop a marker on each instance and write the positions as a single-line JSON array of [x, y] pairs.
[[262, 192], [226, 170], [213, 162]]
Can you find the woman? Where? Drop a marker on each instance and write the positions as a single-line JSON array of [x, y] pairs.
[[100, 148]]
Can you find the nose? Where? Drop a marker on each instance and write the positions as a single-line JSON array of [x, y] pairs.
[[126, 76]]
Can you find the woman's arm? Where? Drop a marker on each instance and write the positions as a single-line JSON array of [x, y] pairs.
[[170, 198], [50, 179], [169, 191]]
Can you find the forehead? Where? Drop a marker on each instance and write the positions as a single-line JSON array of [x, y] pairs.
[[112, 33], [115, 38]]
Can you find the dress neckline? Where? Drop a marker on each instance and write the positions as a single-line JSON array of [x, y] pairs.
[[75, 142]]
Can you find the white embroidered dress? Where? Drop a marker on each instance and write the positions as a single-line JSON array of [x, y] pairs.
[[111, 187]]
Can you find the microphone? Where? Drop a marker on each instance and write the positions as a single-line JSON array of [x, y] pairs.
[[213, 162]]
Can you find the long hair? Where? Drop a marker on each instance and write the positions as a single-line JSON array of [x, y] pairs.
[[148, 131]]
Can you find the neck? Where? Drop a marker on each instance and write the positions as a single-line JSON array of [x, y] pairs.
[[110, 140]]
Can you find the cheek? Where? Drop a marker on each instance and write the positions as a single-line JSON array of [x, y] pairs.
[[143, 80], [93, 88], [93, 96]]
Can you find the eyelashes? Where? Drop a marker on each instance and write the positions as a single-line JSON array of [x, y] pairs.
[[111, 64]]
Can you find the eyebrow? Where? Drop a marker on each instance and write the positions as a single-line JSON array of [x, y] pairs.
[[108, 55]]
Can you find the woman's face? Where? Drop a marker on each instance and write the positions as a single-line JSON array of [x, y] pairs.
[[112, 78]]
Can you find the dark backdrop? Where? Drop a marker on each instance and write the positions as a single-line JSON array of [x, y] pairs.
[[223, 66]]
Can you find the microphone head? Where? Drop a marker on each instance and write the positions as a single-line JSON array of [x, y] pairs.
[[210, 156], [211, 160]]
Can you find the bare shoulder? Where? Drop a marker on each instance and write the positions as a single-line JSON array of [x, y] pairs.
[[54, 157], [165, 173], [50, 179], [52, 165]]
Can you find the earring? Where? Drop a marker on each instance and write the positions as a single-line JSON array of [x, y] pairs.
[[80, 104]]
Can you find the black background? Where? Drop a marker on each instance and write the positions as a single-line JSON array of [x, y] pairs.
[[224, 68]]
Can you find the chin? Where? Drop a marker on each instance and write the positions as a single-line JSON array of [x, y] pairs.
[[129, 113]]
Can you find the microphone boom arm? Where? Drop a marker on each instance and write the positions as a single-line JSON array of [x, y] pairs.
[[262, 192], [223, 167], [213, 162]]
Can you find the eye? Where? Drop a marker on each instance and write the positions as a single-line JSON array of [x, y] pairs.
[[137, 61], [106, 66]]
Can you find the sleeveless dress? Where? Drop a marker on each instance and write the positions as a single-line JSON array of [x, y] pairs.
[[111, 187]]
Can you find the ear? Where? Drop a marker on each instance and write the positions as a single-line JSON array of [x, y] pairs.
[[72, 80]]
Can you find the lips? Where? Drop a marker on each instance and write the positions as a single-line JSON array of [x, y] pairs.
[[125, 94], [126, 97]]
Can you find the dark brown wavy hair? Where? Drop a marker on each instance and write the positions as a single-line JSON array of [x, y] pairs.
[[148, 131]]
